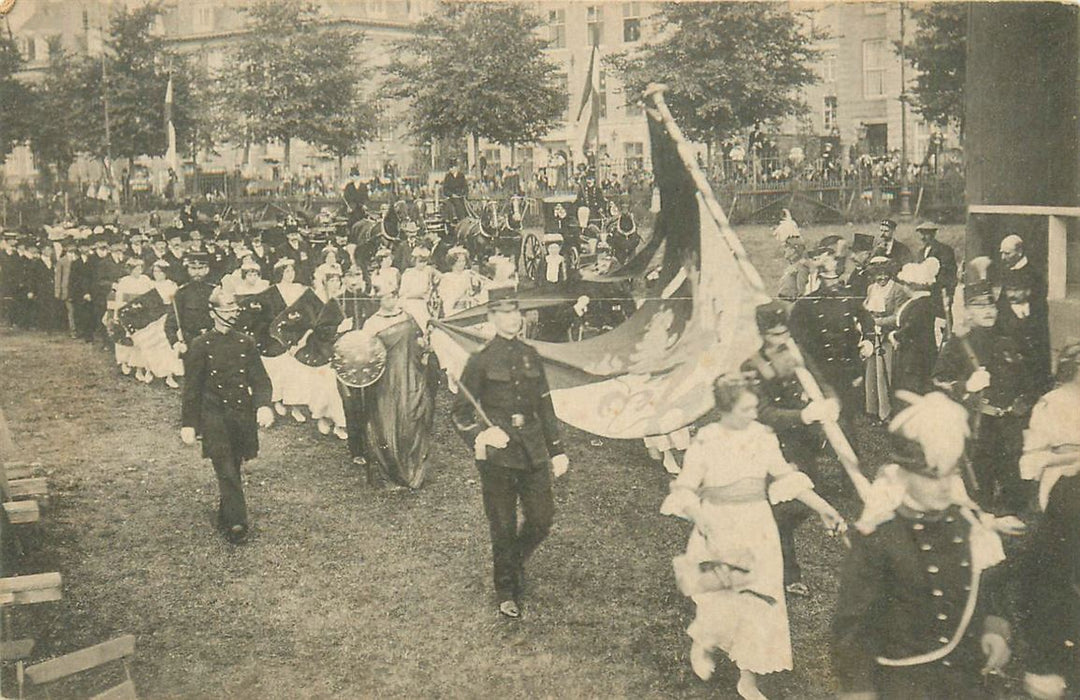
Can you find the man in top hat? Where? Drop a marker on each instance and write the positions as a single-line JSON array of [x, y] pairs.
[[355, 195], [456, 190], [590, 203], [889, 247], [298, 251], [80, 289], [985, 370], [917, 615], [137, 244], [833, 329], [945, 286], [783, 406], [226, 398], [504, 412], [859, 277], [191, 313]]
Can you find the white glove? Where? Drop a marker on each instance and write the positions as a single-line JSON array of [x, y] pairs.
[[979, 380], [180, 348], [491, 437], [187, 436], [559, 465], [866, 349], [86, 297], [997, 652], [264, 416], [821, 411]]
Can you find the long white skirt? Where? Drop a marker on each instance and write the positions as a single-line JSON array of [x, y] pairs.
[[290, 379], [325, 400], [156, 352]]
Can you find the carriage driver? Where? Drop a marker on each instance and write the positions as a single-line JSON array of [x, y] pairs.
[[456, 190]]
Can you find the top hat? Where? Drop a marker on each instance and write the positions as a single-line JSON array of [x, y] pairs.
[[862, 242]]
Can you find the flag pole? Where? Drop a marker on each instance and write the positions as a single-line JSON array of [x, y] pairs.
[[833, 432]]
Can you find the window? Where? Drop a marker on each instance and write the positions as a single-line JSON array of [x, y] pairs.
[[635, 155], [29, 49], [594, 24], [633, 108], [562, 84], [875, 52], [204, 18], [631, 23], [828, 114], [602, 83], [828, 67], [557, 29]]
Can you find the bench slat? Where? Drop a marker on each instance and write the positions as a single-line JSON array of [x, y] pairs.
[[16, 650], [82, 660], [21, 512], [35, 588], [38, 486]]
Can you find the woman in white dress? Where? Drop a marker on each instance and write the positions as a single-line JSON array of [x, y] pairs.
[[460, 288], [158, 356], [385, 275], [732, 471], [287, 375], [418, 285], [132, 285]]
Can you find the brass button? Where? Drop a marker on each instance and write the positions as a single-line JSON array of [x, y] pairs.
[[925, 546], [943, 640], [932, 569], [942, 617], [937, 592], [918, 527]]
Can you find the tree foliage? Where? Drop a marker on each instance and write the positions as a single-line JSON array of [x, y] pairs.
[[728, 65], [291, 77], [58, 118], [938, 52], [478, 68], [14, 98], [133, 78]]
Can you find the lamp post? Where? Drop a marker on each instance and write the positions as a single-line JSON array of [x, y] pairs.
[[905, 187]]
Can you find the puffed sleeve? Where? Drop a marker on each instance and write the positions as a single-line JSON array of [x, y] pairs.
[[683, 501], [786, 482]]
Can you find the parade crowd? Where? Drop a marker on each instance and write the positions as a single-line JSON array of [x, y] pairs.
[[954, 374]]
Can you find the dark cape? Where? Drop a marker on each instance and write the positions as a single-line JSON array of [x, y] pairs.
[[401, 407]]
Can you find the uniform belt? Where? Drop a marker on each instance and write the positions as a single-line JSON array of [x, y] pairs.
[[994, 411]]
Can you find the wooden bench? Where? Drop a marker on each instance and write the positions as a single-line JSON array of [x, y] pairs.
[[15, 650], [22, 470], [35, 588], [33, 487], [119, 649], [21, 512]]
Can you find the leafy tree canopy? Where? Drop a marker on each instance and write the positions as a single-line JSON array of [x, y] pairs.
[[479, 68], [728, 65], [938, 52], [14, 98]]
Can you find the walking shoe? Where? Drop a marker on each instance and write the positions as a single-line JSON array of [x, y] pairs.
[[798, 588], [171, 382], [509, 608], [324, 426], [340, 433], [236, 534], [298, 415], [702, 661], [125, 369], [279, 408]]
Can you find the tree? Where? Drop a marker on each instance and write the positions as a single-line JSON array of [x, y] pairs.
[[57, 116], [727, 65], [938, 52], [478, 68], [131, 78], [14, 98], [292, 77]]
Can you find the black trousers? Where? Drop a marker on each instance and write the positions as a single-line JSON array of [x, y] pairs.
[[995, 459], [802, 451], [353, 401], [512, 545], [232, 508], [84, 319]]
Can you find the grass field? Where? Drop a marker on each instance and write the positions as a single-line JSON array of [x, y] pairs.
[[348, 592]]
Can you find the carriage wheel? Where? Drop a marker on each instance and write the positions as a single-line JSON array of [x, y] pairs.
[[530, 256], [573, 258]]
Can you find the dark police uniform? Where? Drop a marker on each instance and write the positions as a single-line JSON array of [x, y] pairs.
[[193, 307], [507, 379], [828, 325], [781, 399], [1001, 410], [224, 384], [903, 590]]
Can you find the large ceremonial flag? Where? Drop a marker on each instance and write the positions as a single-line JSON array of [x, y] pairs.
[[587, 122], [172, 158], [653, 374]]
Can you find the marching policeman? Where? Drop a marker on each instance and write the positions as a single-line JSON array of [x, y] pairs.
[[191, 313], [988, 371], [918, 614], [504, 412], [226, 392], [828, 325], [784, 407]]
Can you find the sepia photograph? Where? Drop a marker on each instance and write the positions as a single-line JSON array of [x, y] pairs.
[[539, 349]]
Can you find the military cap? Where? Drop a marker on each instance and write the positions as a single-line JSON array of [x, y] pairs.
[[196, 258], [889, 224], [771, 315], [979, 293], [503, 299]]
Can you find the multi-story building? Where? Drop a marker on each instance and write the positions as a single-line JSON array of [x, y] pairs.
[[856, 100]]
